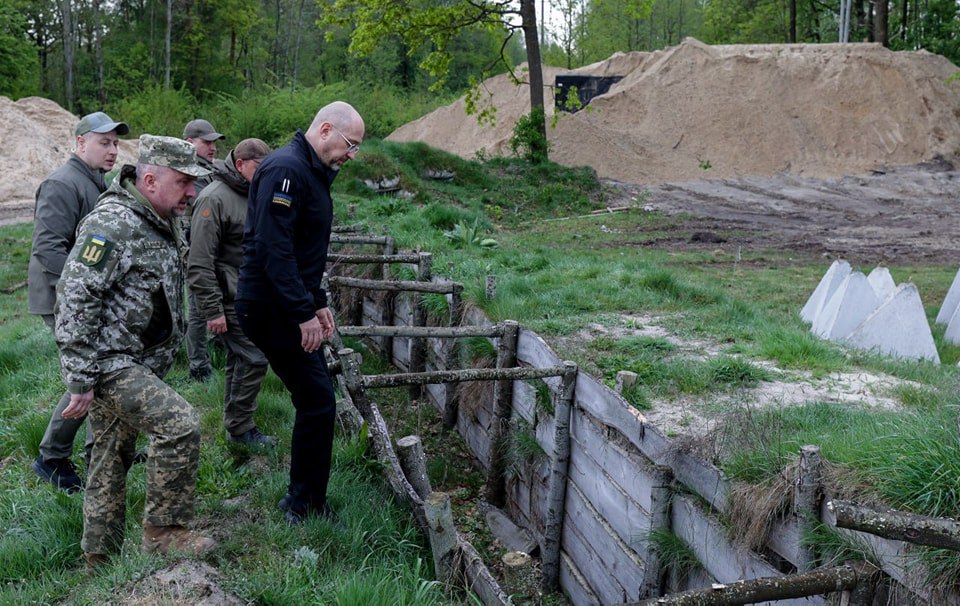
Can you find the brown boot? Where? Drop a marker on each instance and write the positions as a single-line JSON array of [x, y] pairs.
[[95, 561], [161, 539]]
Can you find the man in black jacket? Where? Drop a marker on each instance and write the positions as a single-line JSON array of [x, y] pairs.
[[281, 304]]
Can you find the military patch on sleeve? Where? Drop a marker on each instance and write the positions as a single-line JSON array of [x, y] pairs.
[[94, 251], [282, 199]]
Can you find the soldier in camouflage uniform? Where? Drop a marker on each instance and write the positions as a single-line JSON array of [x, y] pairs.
[[119, 323]]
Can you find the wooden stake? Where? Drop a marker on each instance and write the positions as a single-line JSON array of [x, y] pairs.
[[451, 403], [502, 411], [806, 504], [661, 497], [418, 346], [558, 480], [443, 535], [413, 463], [519, 577]]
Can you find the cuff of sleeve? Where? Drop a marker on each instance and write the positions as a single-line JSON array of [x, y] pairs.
[[320, 298], [78, 388]]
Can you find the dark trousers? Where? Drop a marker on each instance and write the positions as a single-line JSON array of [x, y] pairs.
[[306, 376]]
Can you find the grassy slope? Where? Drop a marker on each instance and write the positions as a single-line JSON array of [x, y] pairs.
[[556, 276]]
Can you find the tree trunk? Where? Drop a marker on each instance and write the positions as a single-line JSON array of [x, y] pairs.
[[98, 53], [67, 55], [904, 15], [166, 65], [880, 23], [793, 22], [528, 18], [296, 49]]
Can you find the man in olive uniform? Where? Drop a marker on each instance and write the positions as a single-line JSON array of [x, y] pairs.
[[201, 135], [119, 324], [216, 239], [63, 199]]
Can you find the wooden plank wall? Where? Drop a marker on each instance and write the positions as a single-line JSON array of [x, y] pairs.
[[608, 497]]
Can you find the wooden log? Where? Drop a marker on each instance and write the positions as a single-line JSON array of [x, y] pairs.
[[898, 525], [343, 229], [520, 577], [379, 435], [661, 494], [343, 238], [815, 582], [422, 331], [443, 536], [387, 315], [490, 288], [470, 374], [384, 258], [418, 345], [451, 404], [413, 463], [558, 480], [418, 286], [502, 410], [806, 504], [478, 578]]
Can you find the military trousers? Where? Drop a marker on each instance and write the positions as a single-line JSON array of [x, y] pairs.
[[127, 402], [57, 442], [197, 352], [246, 367], [311, 391]]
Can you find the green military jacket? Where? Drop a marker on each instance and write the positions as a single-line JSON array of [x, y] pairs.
[[216, 240], [120, 297], [63, 199]]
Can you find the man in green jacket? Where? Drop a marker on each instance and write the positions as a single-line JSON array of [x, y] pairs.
[[119, 323], [213, 265], [201, 135], [63, 199]]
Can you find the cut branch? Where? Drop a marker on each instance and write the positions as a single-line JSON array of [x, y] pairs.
[[470, 374], [898, 525]]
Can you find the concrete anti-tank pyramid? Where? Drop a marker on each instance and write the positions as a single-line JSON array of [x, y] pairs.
[[882, 283], [829, 283], [898, 328], [850, 305], [951, 302]]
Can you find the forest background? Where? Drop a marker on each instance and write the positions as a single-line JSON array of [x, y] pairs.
[[262, 67]]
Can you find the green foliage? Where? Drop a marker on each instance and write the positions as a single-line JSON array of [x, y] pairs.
[[523, 448], [466, 236], [672, 552], [18, 59], [156, 111], [529, 141]]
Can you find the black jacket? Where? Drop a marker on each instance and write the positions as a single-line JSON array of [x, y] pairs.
[[285, 239]]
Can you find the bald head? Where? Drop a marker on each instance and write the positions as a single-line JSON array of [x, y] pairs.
[[336, 133]]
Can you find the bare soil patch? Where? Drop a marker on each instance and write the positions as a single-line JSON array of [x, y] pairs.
[[185, 583]]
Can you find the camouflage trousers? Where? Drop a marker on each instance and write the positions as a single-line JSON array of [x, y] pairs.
[[130, 401]]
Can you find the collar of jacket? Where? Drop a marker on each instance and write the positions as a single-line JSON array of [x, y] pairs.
[[226, 171], [94, 175], [124, 191], [327, 173]]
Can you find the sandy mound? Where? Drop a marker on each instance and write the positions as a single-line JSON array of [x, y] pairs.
[[37, 138], [697, 112]]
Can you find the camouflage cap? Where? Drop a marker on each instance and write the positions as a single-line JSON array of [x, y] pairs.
[[171, 152], [99, 122], [201, 129]]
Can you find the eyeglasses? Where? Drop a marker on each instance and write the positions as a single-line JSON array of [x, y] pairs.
[[352, 147]]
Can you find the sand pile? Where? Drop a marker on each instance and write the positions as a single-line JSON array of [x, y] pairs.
[[37, 138], [698, 112]]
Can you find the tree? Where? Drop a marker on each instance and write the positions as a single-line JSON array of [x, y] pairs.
[[435, 25], [18, 61]]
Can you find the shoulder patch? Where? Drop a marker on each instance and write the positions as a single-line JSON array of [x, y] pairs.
[[205, 213], [94, 251], [283, 199]]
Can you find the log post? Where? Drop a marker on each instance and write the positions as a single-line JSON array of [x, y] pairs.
[[898, 525], [451, 402], [389, 247], [502, 411], [519, 577], [806, 504], [815, 582], [418, 346], [442, 534], [413, 463], [558, 480], [490, 289], [661, 497]]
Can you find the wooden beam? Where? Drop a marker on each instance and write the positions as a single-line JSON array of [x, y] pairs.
[[439, 288], [470, 374], [430, 332], [902, 526]]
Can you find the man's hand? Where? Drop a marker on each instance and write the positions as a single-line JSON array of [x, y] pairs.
[[326, 321], [311, 334], [79, 405], [217, 326]]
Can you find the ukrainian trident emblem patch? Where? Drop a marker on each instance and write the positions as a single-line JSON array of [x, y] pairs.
[[94, 251]]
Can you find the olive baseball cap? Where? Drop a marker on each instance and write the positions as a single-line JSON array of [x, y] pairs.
[[201, 129], [171, 152], [99, 122]]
